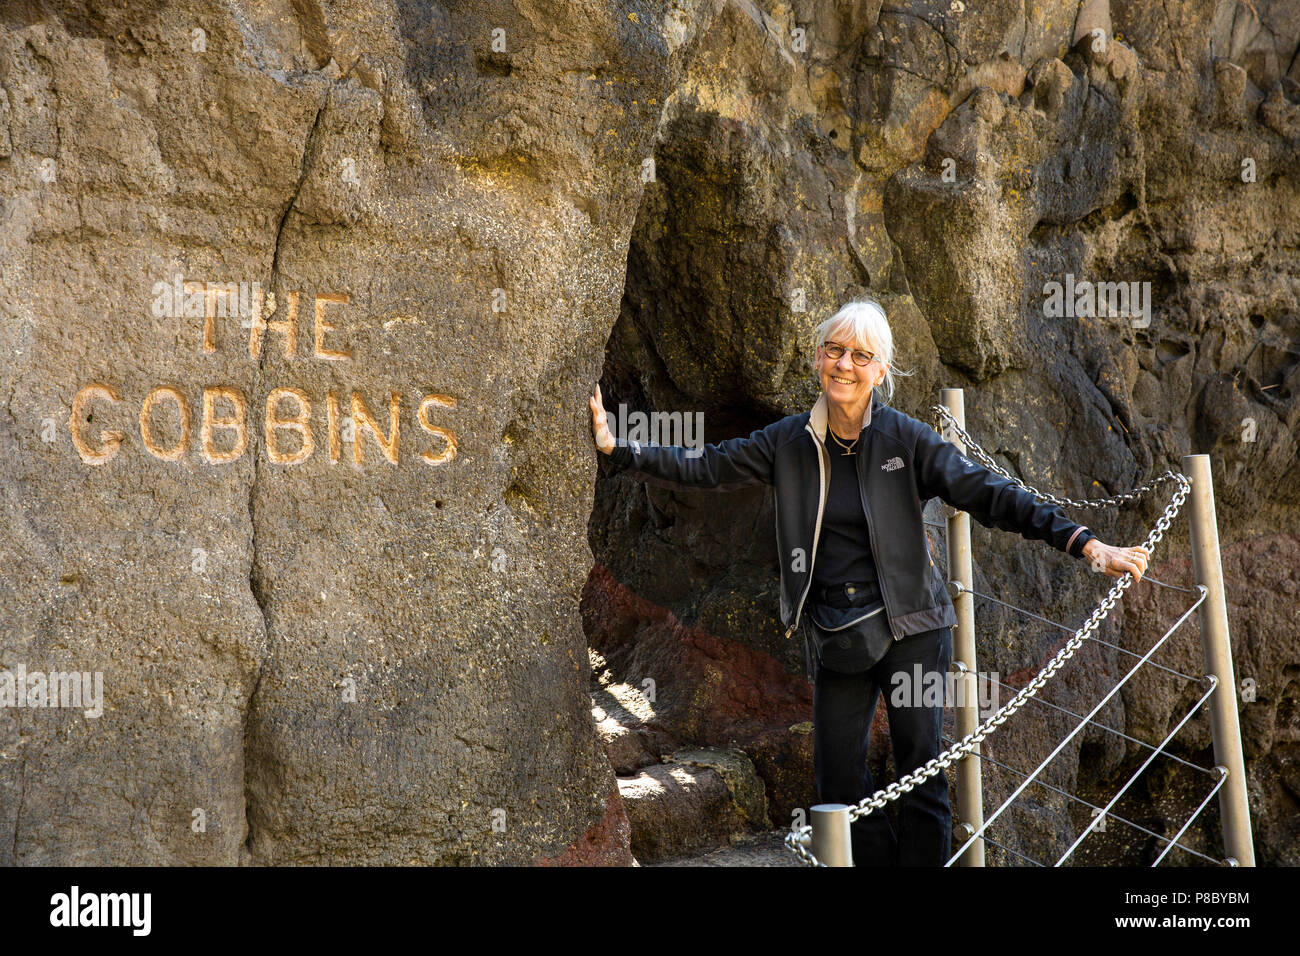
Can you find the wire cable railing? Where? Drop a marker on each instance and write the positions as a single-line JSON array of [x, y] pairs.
[[957, 586], [1218, 784], [1097, 724], [1214, 682], [1078, 727], [1112, 815]]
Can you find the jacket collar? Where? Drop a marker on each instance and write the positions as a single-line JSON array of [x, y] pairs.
[[817, 418]]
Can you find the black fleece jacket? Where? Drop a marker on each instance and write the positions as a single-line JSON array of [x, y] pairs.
[[902, 464]]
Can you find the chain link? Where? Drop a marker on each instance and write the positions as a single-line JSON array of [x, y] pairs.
[[1135, 494], [794, 840]]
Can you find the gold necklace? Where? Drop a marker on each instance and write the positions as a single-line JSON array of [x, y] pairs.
[[849, 447]]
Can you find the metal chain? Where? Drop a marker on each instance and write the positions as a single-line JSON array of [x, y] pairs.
[[1135, 494], [796, 839], [795, 842]]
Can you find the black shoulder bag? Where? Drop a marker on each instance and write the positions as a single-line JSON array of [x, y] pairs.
[[848, 646]]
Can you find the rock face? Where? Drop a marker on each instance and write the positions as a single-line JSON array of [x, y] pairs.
[[326, 556], [300, 303], [678, 802], [677, 809]]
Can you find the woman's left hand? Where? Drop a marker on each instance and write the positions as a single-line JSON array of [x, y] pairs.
[[1116, 561], [600, 423]]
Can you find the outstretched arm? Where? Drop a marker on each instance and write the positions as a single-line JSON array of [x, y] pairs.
[[731, 464], [993, 500]]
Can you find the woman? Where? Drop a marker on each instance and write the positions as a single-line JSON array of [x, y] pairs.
[[851, 477]]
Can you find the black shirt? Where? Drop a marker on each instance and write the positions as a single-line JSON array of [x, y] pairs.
[[844, 548]]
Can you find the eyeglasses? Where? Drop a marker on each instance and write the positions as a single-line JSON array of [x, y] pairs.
[[834, 351]]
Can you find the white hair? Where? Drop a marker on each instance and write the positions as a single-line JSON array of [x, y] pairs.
[[862, 321]]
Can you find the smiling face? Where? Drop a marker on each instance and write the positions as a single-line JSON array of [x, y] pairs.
[[844, 381]]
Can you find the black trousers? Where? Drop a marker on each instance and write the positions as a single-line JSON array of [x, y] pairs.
[[843, 707]]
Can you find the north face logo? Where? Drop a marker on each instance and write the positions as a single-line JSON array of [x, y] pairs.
[[892, 465]]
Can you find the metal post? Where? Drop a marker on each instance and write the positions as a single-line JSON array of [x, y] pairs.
[[830, 836], [1234, 809], [970, 787]]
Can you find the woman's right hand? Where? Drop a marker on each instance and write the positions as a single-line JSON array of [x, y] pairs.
[[1116, 561], [599, 426]]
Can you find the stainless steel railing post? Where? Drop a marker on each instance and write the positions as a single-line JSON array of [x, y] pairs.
[[1207, 566], [830, 837], [970, 787]]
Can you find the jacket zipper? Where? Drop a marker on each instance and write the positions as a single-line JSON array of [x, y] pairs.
[[856, 620], [875, 556], [821, 504]]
